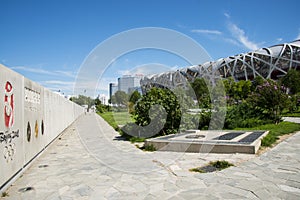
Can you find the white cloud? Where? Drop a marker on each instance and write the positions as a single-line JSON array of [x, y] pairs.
[[152, 68], [57, 85], [45, 72], [205, 31], [279, 39], [240, 36], [59, 82], [298, 37], [227, 15], [67, 73], [53, 80], [123, 72], [232, 41], [33, 70], [147, 69]]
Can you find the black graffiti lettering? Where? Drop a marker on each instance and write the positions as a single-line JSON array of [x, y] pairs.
[[2, 137], [8, 137]]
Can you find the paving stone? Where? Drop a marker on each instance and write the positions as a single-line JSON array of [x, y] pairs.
[[192, 194], [150, 197], [229, 195], [62, 190], [263, 194], [287, 188], [113, 169], [288, 195]]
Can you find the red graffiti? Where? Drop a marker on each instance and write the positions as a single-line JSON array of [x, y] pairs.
[[8, 105]]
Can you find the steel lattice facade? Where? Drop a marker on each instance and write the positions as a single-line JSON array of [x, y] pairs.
[[272, 62]]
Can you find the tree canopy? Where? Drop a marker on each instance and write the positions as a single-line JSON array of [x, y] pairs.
[[292, 81], [83, 100], [120, 98]]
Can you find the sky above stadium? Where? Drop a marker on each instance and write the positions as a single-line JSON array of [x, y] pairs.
[[48, 41]]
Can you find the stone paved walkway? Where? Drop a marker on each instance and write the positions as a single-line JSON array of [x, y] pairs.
[[89, 162]]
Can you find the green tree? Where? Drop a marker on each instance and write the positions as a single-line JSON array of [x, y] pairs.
[[237, 91], [165, 98], [101, 107], [242, 89], [134, 97], [97, 101], [229, 85], [112, 100], [120, 98], [83, 100], [201, 91], [292, 81], [271, 98], [258, 80]]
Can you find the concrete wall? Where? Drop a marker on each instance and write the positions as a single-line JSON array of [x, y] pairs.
[[31, 116]]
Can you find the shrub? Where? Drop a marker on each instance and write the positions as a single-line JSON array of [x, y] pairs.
[[223, 164], [271, 98], [165, 98], [150, 147], [244, 115]]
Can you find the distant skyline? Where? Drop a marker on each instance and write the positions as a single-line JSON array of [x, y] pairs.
[[47, 41]]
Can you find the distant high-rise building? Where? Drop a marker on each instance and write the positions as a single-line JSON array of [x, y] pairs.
[[103, 99], [113, 88], [127, 82]]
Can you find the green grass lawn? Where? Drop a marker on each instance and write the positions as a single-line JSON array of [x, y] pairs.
[[294, 114], [275, 130], [286, 113], [116, 118]]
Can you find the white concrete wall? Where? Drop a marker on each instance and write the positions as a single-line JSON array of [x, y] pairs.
[[31, 116]]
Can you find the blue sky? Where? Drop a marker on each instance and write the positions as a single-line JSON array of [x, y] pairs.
[[47, 41]]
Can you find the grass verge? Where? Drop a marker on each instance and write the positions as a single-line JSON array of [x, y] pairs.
[[109, 118], [115, 119], [275, 130]]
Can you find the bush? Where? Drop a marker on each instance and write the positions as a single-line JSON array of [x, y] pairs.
[[271, 98], [204, 120], [164, 98], [244, 115], [150, 147], [223, 164]]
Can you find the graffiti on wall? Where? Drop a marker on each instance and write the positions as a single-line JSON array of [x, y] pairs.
[[32, 100], [8, 135]]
